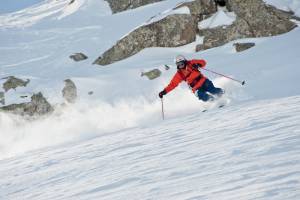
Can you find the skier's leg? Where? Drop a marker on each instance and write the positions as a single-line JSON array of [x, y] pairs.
[[209, 87], [202, 95]]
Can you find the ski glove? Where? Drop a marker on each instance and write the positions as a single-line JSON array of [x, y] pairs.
[[196, 66], [162, 93]]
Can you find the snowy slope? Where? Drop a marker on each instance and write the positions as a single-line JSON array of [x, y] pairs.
[[242, 152], [14, 5], [114, 145]]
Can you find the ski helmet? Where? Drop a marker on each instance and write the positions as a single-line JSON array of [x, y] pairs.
[[180, 61]]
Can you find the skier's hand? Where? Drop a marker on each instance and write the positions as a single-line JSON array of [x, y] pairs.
[[197, 66], [162, 93]]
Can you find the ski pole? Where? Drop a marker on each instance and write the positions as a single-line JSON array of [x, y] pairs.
[[241, 82], [162, 109]]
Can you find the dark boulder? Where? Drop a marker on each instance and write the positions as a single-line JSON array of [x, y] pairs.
[[37, 107], [13, 82], [78, 57], [243, 46], [69, 91], [152, 74]]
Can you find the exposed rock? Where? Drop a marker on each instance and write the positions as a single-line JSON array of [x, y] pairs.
[[243, 46], [90, 93], [37, 107], [201, 9], [13, 82], [153, 74], [2, 98], [199, 47], [122, 5], [69, 92], [172, 31], [263, 20], [254, 19], [78, 57], [221, 35]]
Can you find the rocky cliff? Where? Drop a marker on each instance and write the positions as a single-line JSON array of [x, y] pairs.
[[253, 19]]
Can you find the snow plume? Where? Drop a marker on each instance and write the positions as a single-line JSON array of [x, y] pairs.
[[70, 124], [86, 120]]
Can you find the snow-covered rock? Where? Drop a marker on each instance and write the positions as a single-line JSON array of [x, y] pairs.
[[287, 5], [254, 19], [220, 18], [171, 31]]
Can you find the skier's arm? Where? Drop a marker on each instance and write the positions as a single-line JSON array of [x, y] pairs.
[[173, 83], [198, 63]]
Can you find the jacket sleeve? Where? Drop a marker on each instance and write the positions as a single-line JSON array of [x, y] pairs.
[[174, 82], [201, 62]]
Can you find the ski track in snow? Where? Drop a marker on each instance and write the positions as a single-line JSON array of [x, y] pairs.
[[255, 156], [26, 61]]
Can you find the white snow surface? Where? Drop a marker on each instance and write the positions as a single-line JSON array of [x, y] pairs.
[[248, 151], [71, 8], [287, 5], [220, 18], [114, 145], [33, 14], [182, 10]]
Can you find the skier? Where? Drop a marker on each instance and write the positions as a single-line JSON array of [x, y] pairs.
[[188, 70]]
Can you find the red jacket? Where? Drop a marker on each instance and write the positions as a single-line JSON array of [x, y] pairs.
[[190, 74]]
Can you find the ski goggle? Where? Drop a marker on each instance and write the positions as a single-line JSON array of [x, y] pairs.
[[180, 64]]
